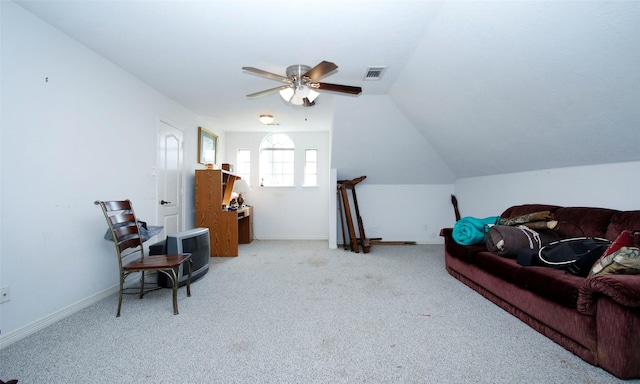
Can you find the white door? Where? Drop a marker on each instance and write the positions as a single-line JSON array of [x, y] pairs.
[[169, 181]]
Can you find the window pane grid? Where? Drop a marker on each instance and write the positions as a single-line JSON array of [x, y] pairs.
[[310, 167], [244, 165], [277, 161]]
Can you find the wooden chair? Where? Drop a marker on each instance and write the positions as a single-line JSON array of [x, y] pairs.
[[128, 241]]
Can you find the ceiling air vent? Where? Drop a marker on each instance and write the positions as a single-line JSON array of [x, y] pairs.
[[374, 73]]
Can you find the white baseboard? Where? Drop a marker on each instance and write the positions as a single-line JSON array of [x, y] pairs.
[[28, 330], [287, 238], [426, 242], [432, 242]]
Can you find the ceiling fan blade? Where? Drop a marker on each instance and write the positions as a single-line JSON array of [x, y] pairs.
[[266, 74], [268, 91], [337, 88], [321, 70]]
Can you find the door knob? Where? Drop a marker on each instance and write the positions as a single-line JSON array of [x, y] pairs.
[[164, 202]]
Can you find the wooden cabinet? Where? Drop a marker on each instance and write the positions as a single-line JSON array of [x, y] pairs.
[[245, 225], [213, 189]]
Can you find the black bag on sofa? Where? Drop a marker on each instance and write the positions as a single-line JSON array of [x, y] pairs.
[[508, 241], [575, 255], [528, 257]]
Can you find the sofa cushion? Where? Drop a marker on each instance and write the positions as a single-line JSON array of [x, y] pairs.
[[583, 221], [620, 221], [466, 253], [497, 265], [553, 284]]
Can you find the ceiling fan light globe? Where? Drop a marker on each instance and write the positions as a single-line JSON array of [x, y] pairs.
[[312, 95], [287, 94], [302, 91], [295, 100]]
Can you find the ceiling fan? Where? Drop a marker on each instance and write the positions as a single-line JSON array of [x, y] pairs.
[[301, 83]]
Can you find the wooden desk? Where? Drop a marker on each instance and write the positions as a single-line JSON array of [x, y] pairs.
[[226, 228], [245, 225]]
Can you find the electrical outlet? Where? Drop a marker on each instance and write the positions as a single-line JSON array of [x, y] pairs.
[[426, 227], [4, 294]]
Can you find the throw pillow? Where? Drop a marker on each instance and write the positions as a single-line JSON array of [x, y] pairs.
[[528, 218], [622, 257]]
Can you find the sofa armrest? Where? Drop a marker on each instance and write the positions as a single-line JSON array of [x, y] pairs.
[[446, 232], [464, 252], [623, 289]]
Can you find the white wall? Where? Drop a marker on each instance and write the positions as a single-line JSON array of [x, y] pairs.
[[75, 128], [372, 137], [408, 185], [300, 213], [609, 186], [405, 212], [400, 212]]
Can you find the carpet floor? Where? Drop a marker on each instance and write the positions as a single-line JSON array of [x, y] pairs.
[[299, 312]]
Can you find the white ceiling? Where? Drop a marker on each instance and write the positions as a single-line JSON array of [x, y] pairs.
[[493, 86], [193, 51]]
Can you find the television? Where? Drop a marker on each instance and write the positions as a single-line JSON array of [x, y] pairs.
[[194, 241]]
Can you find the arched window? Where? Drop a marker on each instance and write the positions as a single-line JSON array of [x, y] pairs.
[[243, 164], [277, 161]]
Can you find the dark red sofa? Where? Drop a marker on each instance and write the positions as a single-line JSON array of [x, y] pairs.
[[597, 318]]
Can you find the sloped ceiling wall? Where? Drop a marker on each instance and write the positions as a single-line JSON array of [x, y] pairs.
[[499, 87], [372, 137]]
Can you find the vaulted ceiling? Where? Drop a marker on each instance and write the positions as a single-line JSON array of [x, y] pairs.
[[485, 87]]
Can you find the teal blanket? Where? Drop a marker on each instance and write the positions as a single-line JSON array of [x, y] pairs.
[[471, 230]]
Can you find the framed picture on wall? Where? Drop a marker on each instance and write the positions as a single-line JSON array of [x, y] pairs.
[[207, 146]]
